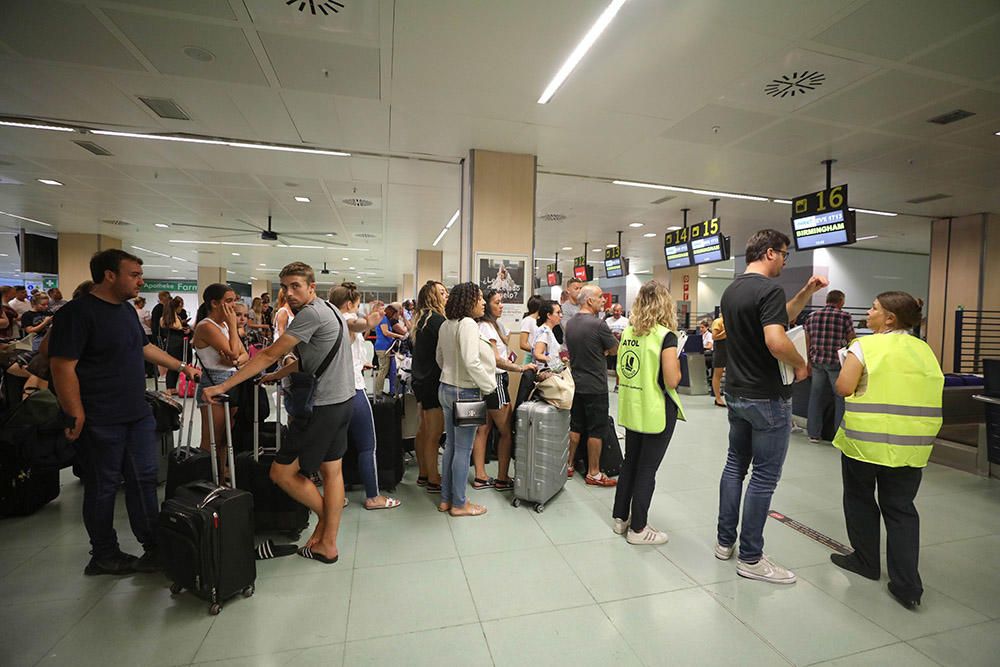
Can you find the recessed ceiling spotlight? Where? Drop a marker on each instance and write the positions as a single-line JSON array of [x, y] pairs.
[[263, 264], [198, 53], [235, 254], [253, 277], [345, 258], [596, 250], [174, 271], [673, 228], [567, 248], [635, 224], [649, 235], [161, 225], [48, 181], [611, 245], [304, 200], [351, 268]]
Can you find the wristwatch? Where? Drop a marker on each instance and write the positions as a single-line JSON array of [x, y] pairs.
[[180, 369]]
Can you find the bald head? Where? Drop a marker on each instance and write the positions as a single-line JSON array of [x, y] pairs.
[[590, 299]]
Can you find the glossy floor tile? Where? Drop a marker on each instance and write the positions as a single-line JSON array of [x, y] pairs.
[[515, 587]]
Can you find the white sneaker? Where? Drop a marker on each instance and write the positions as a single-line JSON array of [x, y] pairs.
[[649, 535], [765, 570], [724, 553], [621, 525]]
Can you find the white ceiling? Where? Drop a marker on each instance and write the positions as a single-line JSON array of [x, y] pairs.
[[673, 92]]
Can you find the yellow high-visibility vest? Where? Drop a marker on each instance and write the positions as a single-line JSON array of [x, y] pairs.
[[642, 402], [894, 423]]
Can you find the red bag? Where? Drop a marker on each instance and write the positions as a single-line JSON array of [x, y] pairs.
[[186, 387]]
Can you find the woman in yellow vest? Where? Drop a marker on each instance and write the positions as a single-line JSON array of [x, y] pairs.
[[892, 385], [648, 407]]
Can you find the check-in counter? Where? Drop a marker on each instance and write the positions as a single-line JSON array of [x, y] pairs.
[[694, 377]]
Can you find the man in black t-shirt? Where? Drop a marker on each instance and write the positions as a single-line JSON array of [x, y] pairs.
[[760, 409], [589, 341], [97, 349]]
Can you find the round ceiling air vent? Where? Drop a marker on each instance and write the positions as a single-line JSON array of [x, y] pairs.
[[552, 217], [324, 6], [798, 83], [117, 223], [357, 202]]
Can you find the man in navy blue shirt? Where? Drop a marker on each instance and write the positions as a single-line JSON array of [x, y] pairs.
[[98, 349]]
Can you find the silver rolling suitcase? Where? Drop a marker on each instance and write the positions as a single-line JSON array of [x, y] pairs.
[[541, 449]]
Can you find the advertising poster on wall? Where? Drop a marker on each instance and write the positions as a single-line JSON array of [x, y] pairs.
[[506, 273]]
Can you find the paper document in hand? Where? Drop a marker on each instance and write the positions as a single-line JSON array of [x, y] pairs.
[[798, 337], [681, 340]]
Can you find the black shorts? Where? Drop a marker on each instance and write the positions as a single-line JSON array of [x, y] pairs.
[[589, 415], [500, 397], [427, 395], [719, 354], [612, 362], [316, 439]]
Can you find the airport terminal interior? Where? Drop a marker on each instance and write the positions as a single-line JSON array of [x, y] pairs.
[[524, 146]]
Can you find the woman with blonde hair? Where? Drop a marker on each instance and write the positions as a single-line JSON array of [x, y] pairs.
[[648, 407], [426, 377]]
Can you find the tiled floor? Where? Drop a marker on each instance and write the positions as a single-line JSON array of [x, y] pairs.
[[515, 587]]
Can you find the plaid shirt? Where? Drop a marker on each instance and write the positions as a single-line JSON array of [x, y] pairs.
[[829, 329]]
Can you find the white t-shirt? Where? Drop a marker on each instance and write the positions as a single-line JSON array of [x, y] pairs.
[[706, 339], [545, 335], [617, 326], [855, 349], [490, 334], [358, 353]]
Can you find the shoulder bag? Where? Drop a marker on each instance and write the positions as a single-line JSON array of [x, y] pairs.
[[467, 412]]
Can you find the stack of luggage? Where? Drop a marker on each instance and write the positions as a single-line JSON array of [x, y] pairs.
[[33, 449]]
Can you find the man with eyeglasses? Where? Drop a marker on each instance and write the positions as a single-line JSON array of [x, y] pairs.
[[760, 406]]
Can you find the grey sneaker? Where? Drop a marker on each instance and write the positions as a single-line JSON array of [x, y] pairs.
[[724, 553], [621, 525], [765, 570], [649, 535]]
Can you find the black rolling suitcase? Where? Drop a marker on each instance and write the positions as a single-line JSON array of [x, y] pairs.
[[274, 511], [611, 453], [388, 414], [24, 489], [205, 538], [187, 463]]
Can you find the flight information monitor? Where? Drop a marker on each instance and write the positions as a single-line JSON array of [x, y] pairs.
[[709, 249], [614, 264], [821, 219]]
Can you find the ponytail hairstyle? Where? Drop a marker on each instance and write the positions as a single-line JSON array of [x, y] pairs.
[[344, 292], [534, 301], [487, 314], [214, 292]]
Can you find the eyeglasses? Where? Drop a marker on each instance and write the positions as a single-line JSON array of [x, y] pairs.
[[784, 254]]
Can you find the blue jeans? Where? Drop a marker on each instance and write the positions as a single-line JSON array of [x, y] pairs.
[[106, 455], [361, 436], [823, 375], [458, 445], [758, 434]]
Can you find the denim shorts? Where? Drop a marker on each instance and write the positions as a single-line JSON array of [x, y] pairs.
[[211, 377]]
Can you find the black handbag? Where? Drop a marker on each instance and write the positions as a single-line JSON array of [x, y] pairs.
[[467, 412], [301, 390]]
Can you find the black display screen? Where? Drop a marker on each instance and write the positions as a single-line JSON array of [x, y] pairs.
[[678, 256], [824, 229], [709, 249], [614, 268]]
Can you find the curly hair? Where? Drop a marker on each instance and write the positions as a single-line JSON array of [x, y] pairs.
[[462, 300], [653, 306]]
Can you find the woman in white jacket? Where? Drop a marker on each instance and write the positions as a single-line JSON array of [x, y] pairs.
[[468, 372]]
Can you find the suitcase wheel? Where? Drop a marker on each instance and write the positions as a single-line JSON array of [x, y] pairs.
[[175, 589], [215, 609], [516, 502], [540, 507], [248, 591]]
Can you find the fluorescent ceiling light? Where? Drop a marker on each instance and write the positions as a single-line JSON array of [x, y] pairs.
[[453, 219], [179, 259], [232, 273], [306, 247], [151, 252], [255, 245], [611, 245], [345, 258], [304, 200], [48, 181], [36, 126], [581, 50], [235, 254], [597, 250], [21, 217], [887, 214], [635, 224], [673, 228], [263, 264], [567, 248], [161, 225], [694, 191], [782, 201], [867, 238], [220, 142], [350, 268], [649, 235], [156, 266], [440, 236], [174, 271], [253, 278]]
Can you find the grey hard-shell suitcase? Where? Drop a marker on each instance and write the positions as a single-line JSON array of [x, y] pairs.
[[541, 449]]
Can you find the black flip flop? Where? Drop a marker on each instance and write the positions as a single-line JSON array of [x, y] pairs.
[[306, 552], [480, 484]]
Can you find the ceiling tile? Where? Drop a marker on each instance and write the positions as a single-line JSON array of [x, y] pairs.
[[163, 41], [717, 125], [62, 31], [355, 20], [973, 56], [856, 147], [880, 97], [915, 158], [216, 9], [894, 29], [324, 66], [791, 136], [983, 103]]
